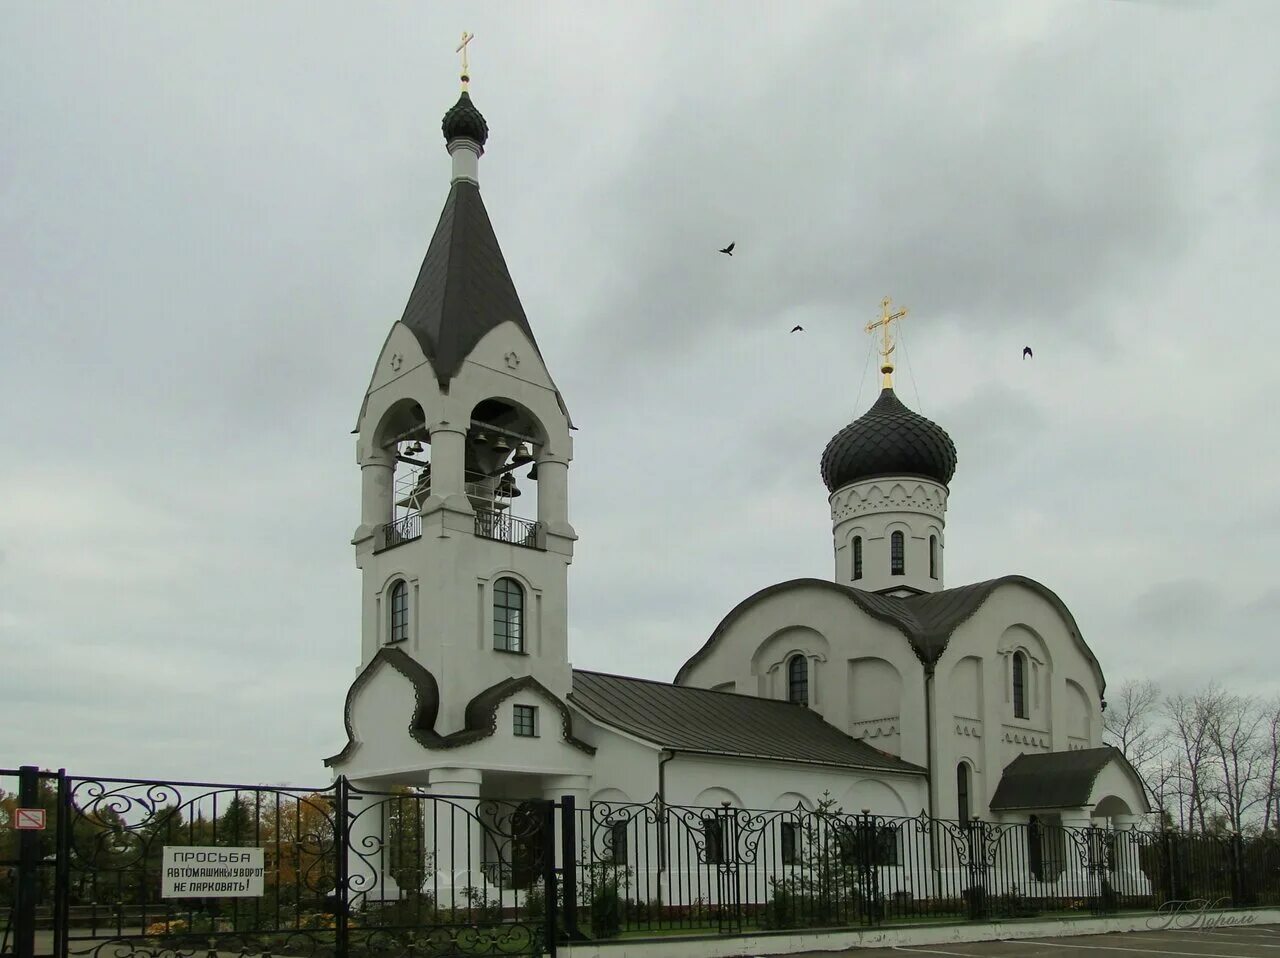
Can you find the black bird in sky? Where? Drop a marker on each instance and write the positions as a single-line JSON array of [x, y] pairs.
[[728, 250], [797, 329], [1026, 352]]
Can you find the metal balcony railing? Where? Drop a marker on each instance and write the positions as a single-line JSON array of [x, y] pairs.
[[505, 527]]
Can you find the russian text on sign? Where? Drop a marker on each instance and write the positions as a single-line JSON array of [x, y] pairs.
[[207, 871]]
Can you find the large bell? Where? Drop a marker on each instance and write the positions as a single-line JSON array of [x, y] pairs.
[[507, 487], [533, 473], [501, 445], [523, 454]]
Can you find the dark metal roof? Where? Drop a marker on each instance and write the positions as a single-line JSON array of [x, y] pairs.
[[480, 717], [888, 440], [927, 620], [463, 289], [464, 120], [1057, 779], [723, 723]]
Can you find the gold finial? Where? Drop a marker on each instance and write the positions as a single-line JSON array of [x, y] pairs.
[[887, 347], [462, 48]]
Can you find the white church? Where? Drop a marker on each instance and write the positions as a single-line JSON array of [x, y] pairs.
[[879, 686]]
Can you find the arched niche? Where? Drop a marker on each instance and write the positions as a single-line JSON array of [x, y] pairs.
[[769, 662], [1037, 675], [1079, 714], [875, 690], [874, 795], [715, 797], [965, 686], [788, 801]]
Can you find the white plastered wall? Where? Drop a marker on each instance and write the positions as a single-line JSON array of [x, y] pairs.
[[1013, 616], [838, 632]]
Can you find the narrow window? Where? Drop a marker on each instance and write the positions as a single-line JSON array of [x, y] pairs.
[[798, 680], [962, 792], [399, 630], [897, 554], [887, 846], [933, 557], [790, 843], [618, 839], [508, 616], [857, 557], [1035, 850], [525, 721], [713, 834], [1019, 685]]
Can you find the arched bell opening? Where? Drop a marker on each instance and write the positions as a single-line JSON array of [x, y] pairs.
[[401, 443], [503, 443]]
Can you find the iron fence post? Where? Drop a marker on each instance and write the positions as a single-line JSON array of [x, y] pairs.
[[569, 866], [62, 866], [24, 918], [549, 876], [341, 835], [1237, 870]]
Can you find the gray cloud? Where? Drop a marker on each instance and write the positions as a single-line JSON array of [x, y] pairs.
[[209, 222]]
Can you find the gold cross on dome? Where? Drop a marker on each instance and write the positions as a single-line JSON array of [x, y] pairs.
[[462, 48], [887, 346]]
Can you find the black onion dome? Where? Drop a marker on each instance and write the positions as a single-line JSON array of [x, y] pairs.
[[888, 440], [464, 120]]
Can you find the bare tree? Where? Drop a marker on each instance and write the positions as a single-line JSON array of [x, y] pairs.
[[1130, 723], [1188, 717], [1271, 808], [1234, 727]]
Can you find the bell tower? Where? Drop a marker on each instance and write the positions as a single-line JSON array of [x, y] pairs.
[[464, 540]]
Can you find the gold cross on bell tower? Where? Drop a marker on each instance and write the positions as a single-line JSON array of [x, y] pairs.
[[462, 48], [887, 346]]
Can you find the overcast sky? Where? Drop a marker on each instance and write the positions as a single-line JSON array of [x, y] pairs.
[[211, 214]]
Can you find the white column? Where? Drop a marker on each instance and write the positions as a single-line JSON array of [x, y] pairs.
[[367, 877], [456, 836], [377, 470], [556, 787], [1128, 877], [553, 495], [448, 468], [1075, 845]]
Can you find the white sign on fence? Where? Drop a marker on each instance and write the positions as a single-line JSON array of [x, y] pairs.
[[210, 871]]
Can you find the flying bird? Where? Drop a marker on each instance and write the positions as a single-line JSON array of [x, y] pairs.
[[797, 329], [728, 250], [1026, 352]]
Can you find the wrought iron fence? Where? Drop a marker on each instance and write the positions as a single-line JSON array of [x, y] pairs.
[[508, 528], [655, 868], [341, 872]]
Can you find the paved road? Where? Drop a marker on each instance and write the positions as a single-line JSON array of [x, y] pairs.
[[1244, 941]]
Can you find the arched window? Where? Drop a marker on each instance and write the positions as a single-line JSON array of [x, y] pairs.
[[508, 615], [933, 557], [897, 554], [399, 609], [857, 557], [1019, 685], [798, 680], [962, 792]]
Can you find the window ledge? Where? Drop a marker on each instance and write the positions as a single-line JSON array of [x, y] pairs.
[[509, 651]]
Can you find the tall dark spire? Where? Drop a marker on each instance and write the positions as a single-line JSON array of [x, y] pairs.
[[463, 289]]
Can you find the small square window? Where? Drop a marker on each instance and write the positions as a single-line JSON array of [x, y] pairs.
[[526, 721]]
